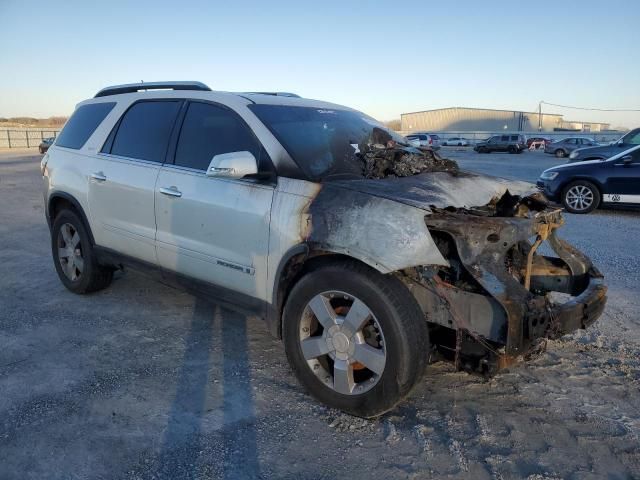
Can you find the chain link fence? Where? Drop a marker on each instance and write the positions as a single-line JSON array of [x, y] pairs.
[[25, 137]]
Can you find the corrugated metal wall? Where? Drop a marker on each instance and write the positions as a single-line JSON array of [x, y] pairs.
[[471, 119]]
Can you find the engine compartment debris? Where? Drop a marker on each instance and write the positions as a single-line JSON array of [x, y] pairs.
[[380, 161]]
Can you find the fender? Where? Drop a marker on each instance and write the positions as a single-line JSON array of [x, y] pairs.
[[76, 205], [385, 234]]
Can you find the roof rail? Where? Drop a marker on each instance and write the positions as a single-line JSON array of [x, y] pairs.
[[276, 94], [136, 87]]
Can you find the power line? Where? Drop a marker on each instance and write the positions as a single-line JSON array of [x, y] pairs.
[[593, 109]]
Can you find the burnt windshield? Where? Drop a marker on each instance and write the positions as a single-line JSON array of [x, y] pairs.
[[325, 141]]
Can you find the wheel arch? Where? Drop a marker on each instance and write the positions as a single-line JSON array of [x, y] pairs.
[[294, 264], [585, 178], [59, 201]]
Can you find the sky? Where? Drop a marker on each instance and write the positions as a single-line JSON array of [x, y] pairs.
[[383, 58]]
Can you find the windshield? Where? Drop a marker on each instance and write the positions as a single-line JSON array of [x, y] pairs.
[[324, 142]]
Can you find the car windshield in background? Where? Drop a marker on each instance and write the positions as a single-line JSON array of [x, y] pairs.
[[324, 142]]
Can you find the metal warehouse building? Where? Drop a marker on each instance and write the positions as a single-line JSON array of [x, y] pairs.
[[459, 119]]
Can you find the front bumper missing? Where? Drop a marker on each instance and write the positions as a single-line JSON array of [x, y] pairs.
[[498, 252]]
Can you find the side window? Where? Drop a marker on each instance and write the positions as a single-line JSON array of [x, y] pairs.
[[633, 139], [209, 130], [514, 138], [145, 129], [504, 138], [82, 124]]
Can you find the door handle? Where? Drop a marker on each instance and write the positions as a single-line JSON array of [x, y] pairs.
[[98, 176], [171, 191]]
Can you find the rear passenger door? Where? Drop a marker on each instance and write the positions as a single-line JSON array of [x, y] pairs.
[[504, 143], [210, 228], [123, 178]]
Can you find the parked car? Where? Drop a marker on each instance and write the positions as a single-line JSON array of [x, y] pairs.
[[456, 141], [564, 147], [424, 140], [583, 186], [267, 204], [45, 144], [512, 143], [540, 141], [606, 151]]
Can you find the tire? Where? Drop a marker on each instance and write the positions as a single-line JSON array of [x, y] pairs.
[[85, 275], [395, 321], [580, 196], [511, 149], [559, 153]]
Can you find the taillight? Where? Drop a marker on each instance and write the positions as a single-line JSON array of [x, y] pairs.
[[430, 141]]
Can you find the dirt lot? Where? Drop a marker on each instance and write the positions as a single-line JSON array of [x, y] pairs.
[[143, 381]]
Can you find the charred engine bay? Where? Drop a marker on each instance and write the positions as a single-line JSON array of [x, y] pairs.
[[396, 161]]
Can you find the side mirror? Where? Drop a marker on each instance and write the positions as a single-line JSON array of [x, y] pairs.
[[627, 160], [233, 165]]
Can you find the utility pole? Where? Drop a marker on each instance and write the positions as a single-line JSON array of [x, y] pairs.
[[540, 116]]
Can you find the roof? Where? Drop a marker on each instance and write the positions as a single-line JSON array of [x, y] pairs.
[[483, 109], [198, 90]]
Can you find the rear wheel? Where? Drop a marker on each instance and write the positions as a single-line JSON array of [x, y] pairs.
[[581, 197], [73, 255], [356, 339], [560, 153]]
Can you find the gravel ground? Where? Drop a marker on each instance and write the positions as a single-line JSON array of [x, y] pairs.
[[144, 381]]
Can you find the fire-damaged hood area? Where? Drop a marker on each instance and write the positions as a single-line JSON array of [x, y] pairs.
[[439, 189], [382, 221]]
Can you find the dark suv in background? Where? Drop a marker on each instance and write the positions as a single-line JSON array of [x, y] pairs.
[[606, 151], [512, 143]]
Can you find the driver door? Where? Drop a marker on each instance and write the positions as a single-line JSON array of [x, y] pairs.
[[623, 183]]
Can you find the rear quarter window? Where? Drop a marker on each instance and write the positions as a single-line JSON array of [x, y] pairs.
[[82, 124]]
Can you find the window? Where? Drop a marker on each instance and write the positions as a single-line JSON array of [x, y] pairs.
[[210, 130], [514, 138], [82, 124], [570, 141], [435, 137], [323, 142], [632, 138], [145, 129], [504, 138]]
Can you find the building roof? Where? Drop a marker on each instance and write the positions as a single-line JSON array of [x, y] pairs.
[[483, 109]]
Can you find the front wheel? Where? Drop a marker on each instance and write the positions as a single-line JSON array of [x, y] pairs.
[[580, 197], [355, 339], [512, 149]]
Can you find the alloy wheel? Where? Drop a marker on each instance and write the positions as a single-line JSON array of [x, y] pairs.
[[579, 197], [70, 252], [342, 342]]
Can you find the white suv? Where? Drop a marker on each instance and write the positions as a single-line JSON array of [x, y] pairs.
[[294, 209]]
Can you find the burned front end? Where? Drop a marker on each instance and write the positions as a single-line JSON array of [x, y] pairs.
[[480, 254], [511, 282]]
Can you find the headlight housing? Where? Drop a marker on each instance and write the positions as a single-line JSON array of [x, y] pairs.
[[548, 175]]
